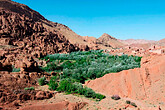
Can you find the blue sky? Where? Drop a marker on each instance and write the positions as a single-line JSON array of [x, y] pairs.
[[123, 19]]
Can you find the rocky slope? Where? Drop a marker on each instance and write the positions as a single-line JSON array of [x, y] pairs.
[[136, 41], [21, 9], [21, 31], [24, 32], [109, 41], [145, 83], [24, 11], [12, 89], [19, 22]]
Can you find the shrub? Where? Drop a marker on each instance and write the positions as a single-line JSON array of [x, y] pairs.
[[42, 81], [128, 102], [15, 69], [133, 104], [88, 92], [79, 88], [100, 96], [52, 83], [64, 85], [51, 66], [29, 88], [70, 86], [115, 97]]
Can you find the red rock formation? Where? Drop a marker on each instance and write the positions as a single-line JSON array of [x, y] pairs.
[[27, 34], [145, 83], [24, 34], [12, 88], [21, 9], [109, 41]]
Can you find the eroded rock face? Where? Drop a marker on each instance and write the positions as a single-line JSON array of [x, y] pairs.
[[12, 88], [145, 83], [21, 9], [22, 36], [29, 35]]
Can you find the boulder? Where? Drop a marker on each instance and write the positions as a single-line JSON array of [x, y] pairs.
[[43, 95]]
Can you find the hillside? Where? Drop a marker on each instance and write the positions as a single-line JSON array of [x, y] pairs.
[[142, 84], [23, 10], [136, 41], [109, 41], [24, 32], [30, 20]]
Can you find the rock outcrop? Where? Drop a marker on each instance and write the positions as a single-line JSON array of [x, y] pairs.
[[21, 9], [109, 41], [29, 36], [12, 88], [24, 32], [145, 83]]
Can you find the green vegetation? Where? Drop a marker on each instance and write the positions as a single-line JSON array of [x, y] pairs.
[[42, 81], [77, 67], [15, 69], [128, 102], [133, 104], [89, 64], [29, 88], [70, 86], [53, 83]]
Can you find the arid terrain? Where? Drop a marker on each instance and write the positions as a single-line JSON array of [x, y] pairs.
[[122, 74]]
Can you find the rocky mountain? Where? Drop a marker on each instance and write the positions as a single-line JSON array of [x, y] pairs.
[[136, 41], [24, 32], [21, 9], [109, 41], [161, 42], [25, 28]]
